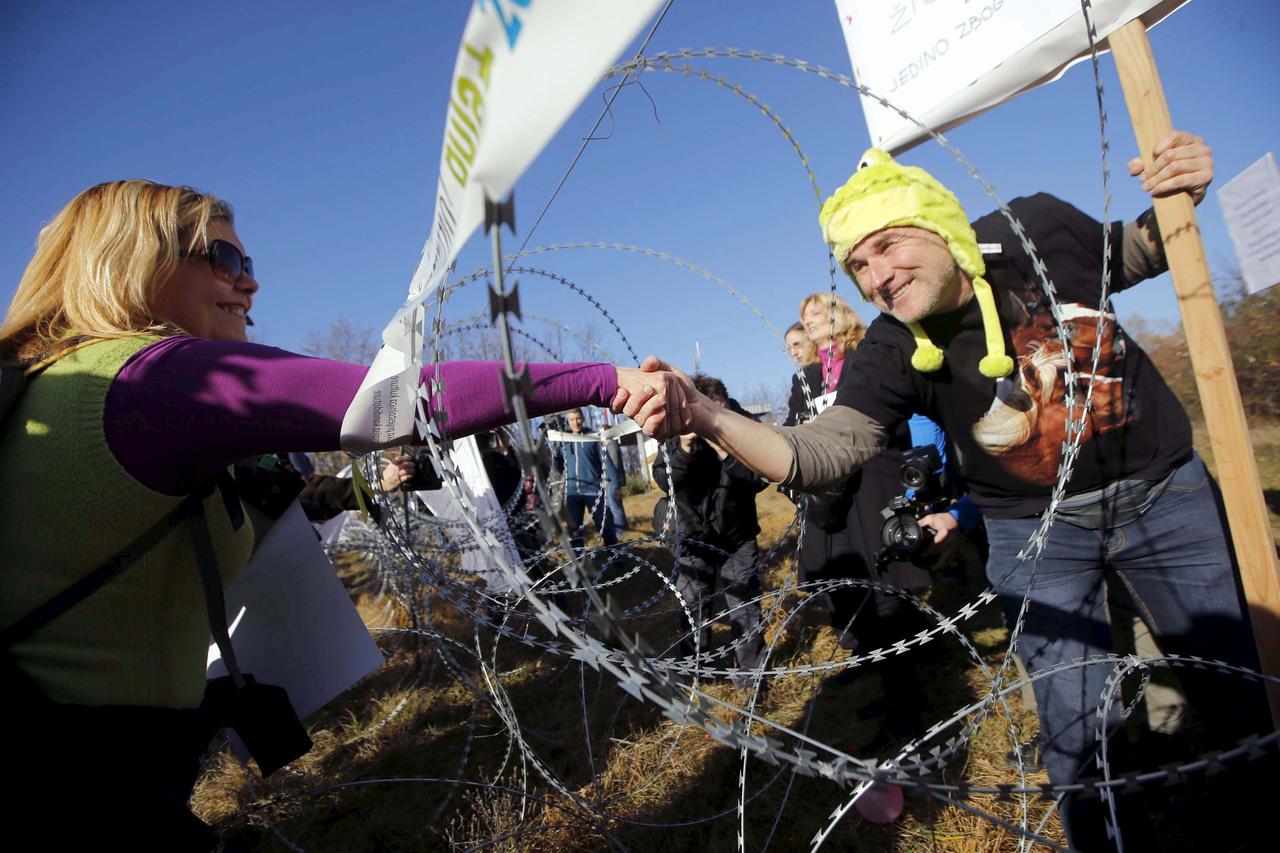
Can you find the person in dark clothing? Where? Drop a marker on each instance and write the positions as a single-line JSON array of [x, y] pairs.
[[978, 345], [841, 536], [325, 495], [715, 499], [617, 511], [842, 528], [506, 478]]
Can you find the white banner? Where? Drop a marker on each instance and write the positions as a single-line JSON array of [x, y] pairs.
[[522, 68], [945, 61], [1251, 205], [482, 499], [618, 430]]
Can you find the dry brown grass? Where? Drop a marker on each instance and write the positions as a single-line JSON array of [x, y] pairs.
[[408, 720], [660, 785]]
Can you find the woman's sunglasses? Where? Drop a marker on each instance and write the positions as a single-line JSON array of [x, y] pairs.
[[227, 261]]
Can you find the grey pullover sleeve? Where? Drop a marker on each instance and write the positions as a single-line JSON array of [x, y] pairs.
[[1142, 249], [826, 451]]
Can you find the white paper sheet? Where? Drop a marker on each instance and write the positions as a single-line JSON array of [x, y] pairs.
[[292, 622]]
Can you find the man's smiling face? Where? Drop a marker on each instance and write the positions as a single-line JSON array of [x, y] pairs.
[[908, 273]]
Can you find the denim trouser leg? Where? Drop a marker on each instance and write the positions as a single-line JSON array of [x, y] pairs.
[[1176, 562], [575, 506], [602, 515], [617, 510], [578, 506], [1066, 620]]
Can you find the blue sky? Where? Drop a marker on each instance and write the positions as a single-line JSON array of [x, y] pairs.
[[322, 125]]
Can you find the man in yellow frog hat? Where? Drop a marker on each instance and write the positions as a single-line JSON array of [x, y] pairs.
[[969, 337]]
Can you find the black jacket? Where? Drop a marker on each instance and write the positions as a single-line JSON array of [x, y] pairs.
[[797, 404], [716, 497], [830, 511]]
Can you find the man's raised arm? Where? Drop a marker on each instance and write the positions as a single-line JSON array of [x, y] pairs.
[[1180, 162]]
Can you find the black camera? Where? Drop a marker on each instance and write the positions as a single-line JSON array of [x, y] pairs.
[[263, 717], [901, 535], [921, 471]]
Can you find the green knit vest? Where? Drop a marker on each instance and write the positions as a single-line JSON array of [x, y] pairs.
[[69, 506]]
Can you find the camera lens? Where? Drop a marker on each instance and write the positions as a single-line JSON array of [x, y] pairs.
[[901, 533], [913, 477]]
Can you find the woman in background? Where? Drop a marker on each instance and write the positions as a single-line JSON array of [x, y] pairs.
[[828, 550], [847, 538]]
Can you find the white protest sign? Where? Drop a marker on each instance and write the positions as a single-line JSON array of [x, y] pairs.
[[945, 61], [331, 531], [522, 68], [618, 430], [1251, 205], [292, 623], [476, 488]]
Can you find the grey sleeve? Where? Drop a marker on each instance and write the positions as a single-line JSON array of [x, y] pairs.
[[826, 451], [1140, 262]]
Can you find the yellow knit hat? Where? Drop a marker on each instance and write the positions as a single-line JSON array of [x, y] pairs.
[[884, 194]]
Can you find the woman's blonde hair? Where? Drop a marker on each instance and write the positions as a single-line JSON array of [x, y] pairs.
[[849, 328], [809, 350], [100, 262]]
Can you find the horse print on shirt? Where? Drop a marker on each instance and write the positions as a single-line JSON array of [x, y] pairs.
[[1026, 425]]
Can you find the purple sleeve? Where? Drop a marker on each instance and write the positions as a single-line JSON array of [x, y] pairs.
[[184, 408]]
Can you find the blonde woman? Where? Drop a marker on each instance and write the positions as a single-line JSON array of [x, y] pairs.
[[834, 329], [141, 390]]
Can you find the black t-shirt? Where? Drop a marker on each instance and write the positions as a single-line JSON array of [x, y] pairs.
[[1009, 433]]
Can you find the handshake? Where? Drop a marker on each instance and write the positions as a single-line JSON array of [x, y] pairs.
[[660, 399], [665, 403]]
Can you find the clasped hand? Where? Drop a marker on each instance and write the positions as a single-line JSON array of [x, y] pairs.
[[658, 397]]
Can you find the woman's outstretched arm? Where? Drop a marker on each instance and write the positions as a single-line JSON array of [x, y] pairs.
[[184, 408]]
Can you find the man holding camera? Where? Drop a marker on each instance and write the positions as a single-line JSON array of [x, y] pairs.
[[956, 300]]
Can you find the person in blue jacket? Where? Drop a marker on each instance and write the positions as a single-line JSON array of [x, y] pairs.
[[588, 474]]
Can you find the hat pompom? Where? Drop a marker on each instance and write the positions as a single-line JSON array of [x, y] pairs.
[[995, 366], [927, 358]]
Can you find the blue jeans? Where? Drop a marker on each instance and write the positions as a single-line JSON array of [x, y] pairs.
[[577, 506], [617, 510], [1176, 563]]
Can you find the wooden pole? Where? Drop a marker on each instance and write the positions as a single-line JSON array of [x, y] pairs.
[[1210, 357]]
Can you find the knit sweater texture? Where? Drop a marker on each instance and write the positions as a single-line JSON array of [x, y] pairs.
[[68, 505]]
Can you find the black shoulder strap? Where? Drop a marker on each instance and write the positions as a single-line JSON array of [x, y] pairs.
[[192, 507], [214, 601], [13, 381], [87, 585]]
